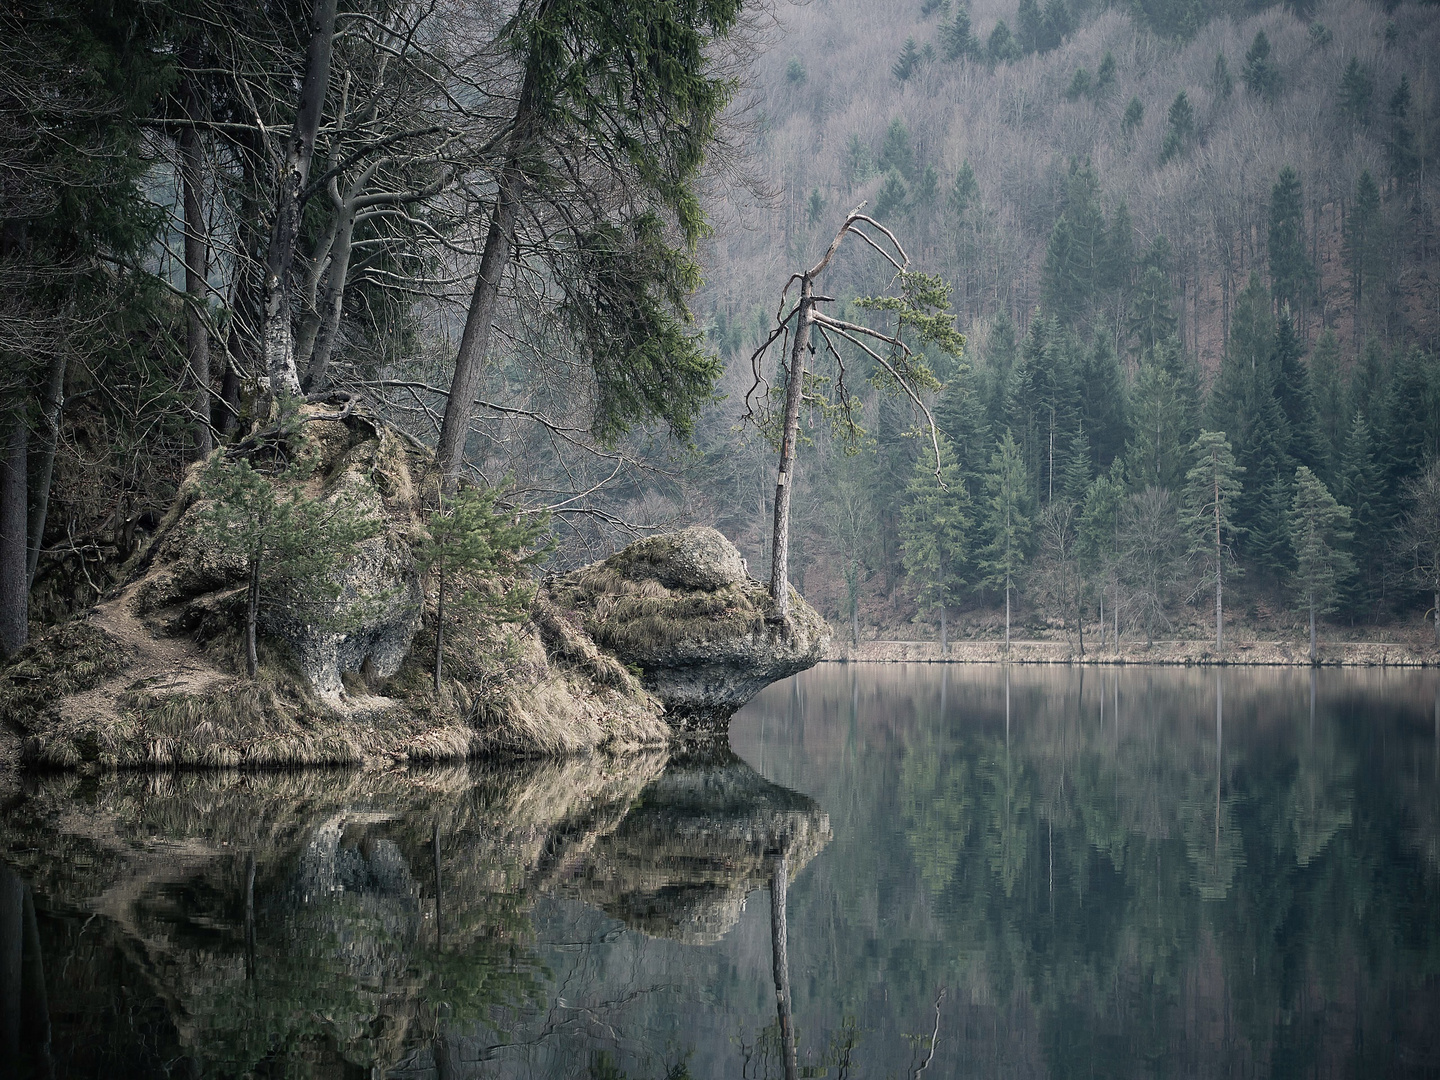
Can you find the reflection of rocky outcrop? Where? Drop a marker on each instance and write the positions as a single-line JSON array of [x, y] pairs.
[[682, 609], [270, 917], [700, 838]]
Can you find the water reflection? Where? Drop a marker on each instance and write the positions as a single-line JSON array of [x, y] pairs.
[[330, 922], [993, 873]]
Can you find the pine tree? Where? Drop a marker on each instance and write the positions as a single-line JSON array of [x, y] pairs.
[[1293, 392], [1319, 529], [893, 198], [859, 165], [1292, 274], [1100, 541], [1220, 80], [1028, 25], [1001, 47], [1363, 247], [896, 153], [957, 41], [908, 62], [1131, 121], [1104, 76], [1361, 485], [1120, 249], [1180, 128], [1404, 159], [965, 192], [1261, 76], [1008, 522], [483, 548], [960, 416], [1211, 488], [1079, 85], [1103, 401], [1000, 356], [1076, 258], [935, 533], [1420, 534], [1151, 321], [1160, 436], [1329, 394], [1356, 90], [1077, 469]]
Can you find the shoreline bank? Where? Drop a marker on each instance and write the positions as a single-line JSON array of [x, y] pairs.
[[1165, 653]]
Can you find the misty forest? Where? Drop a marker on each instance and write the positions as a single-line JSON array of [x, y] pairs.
[[438, 437], [1190, 247]]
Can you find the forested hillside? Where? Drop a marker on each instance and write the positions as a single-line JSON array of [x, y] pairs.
[[1158, 220]]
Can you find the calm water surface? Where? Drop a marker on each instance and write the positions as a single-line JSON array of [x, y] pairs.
[[1045, 873]]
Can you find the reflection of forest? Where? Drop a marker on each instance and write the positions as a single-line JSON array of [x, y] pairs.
[[328, 922], [1125, 873]]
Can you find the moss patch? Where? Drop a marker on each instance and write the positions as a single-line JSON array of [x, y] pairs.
[[68, 659]]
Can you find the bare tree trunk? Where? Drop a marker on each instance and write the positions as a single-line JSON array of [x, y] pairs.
[[1219, 553], [278, 334], [328, 310], [780, 965], [1437, 616], [1312, 628], [475, 340], [14, 590], [49, 444], [252, 608], [944, 638], [439, 628], [197, 266], [1007, 615], [794, 390]]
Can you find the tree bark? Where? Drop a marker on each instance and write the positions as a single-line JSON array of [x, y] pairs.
[[780, 966], [1219, 553], [794, 391], [14, 545], [475, 340], [278, 335], [439, 628], [197, 266], [332, 301], [1007, 615], [252, 608], [1312, 629], [49, 444]]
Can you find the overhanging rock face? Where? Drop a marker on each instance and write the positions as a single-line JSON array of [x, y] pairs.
[[703, 634]]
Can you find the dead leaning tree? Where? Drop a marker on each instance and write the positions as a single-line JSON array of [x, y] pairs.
[[922, 307]]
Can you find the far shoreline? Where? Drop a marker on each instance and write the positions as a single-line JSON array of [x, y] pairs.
[[1161, 654]]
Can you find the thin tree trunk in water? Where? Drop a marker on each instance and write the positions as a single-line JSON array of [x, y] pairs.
[[12, 946], [252, 657], [1312, 629], [197, 266], [794, 389], [1007, 614], [435, 852], [278, 334], [1079, 620], [250, 916], [49, 443], [35, 1013], [780, 965], [14, 540], [439, 628]]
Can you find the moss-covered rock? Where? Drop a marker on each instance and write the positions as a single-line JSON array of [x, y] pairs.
[[703, 635]]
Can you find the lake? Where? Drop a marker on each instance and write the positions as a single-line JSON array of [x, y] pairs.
[[988, 872]]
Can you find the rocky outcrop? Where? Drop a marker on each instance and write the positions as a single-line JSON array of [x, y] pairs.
[[667, 635], [682, 610]]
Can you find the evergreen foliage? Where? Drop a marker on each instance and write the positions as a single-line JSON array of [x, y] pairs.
[[1357, 88], [1262, 77], [1319, 529], [1293, 275], [1179, 129], [935, 530]]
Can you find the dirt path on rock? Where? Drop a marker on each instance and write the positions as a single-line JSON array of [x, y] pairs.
[[160, 663]]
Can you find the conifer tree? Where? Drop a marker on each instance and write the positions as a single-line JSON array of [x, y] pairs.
[[1104, 76], [893, 198], [1420, 534], [1363, 247], [1361, 486], [1329, 393], [1131, 121], [1151, 321], [1262, 78], [1356, 90], [1319, 529], [469, 539], [935, 532], [1179, 129], [1000, 357], [1001, 47], [1221, 81], [1404, 158], [1103, 401], [957, 40], [1292, 273], [1294, 394], [1008, 522], [1076, 260], [896, 152], [1100, 541], [908, 62], [1160, 428], [1211, 487]]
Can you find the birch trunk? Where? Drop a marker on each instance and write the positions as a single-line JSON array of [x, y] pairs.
[[794, 390]]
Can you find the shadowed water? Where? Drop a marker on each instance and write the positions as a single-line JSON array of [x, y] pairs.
[[1033, 873]]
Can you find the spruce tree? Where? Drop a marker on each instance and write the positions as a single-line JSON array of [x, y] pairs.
[[1008, 522], [1104, 76], [999, 358], [1001, 47], [1363, 247], [1179, 128], [1076, 259], [1293, 392], [908, 62], [1328, 389], [1103, 401], [1319, 530], [1361, 486], [1151, 321], [1400, 147], [1212, 487], [1221, 81], [1292, 273], [1261, 76], [1100, 541], [1356, 90], [1420, 534], [896, 151], [1131, 121], [935, 532]]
